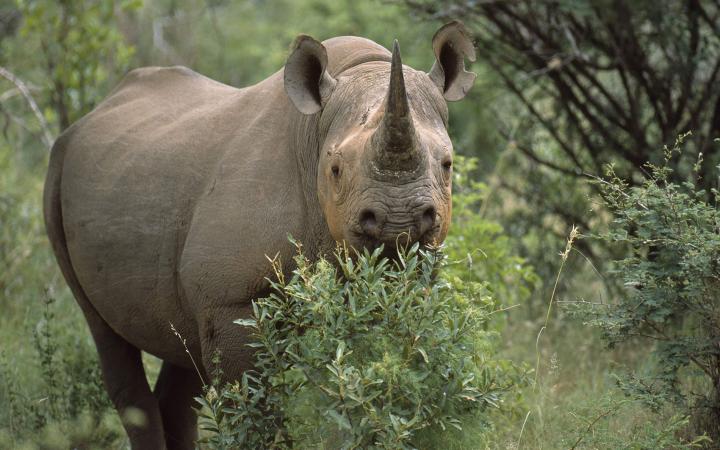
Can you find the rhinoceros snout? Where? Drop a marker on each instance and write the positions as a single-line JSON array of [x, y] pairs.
[[381, 227], [369, 224]]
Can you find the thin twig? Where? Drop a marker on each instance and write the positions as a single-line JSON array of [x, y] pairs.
[[47, 136], [589, 427], [504, 309]]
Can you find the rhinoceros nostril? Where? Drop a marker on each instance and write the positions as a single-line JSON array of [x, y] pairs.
[[369, 224], [427, 221]]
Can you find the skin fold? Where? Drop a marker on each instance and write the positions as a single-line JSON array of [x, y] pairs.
[[163, 203]]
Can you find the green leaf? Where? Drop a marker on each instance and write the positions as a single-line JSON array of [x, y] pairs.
[[340, 419], [246, 323]]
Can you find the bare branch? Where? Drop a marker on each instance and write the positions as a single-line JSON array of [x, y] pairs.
[[47, 136]]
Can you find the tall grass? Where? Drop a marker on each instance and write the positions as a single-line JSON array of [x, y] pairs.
[[574, 401]]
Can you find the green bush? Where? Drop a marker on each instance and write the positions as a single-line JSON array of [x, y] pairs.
[[479, 248], [672, 274], [67, 407], [80, 49], [360, 353]]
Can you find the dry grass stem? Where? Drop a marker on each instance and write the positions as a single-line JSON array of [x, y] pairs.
[[179, 336]]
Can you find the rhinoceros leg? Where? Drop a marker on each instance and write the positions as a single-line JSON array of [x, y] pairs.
[[128, 388], [175, 390], [227, 341], [121, 363], [125, 380]]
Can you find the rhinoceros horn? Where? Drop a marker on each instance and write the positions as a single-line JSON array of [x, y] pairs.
[[394, 140]]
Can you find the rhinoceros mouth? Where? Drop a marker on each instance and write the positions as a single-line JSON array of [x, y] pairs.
[[393, 243]]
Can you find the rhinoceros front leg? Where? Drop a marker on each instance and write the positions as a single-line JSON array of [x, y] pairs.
[[228, 341], [175, 389]]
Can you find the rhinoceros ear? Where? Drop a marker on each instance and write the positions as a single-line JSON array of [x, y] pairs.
[[452, 44], [307, 82]]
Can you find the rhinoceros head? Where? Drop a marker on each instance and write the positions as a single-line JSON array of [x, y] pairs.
[[384, 171]]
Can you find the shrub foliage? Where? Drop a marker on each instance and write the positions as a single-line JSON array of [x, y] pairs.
[[673, 276], [360, 352]]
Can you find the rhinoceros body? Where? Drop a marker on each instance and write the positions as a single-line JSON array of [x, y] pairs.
[[164, 203]]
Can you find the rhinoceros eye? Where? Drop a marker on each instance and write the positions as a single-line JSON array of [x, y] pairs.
[[447, 164], [335, 170]]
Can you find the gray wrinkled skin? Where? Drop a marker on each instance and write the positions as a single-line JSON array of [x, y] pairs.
[[163, 203], [397, 197]]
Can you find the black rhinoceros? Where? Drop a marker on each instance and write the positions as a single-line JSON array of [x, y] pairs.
[[163, 202]]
